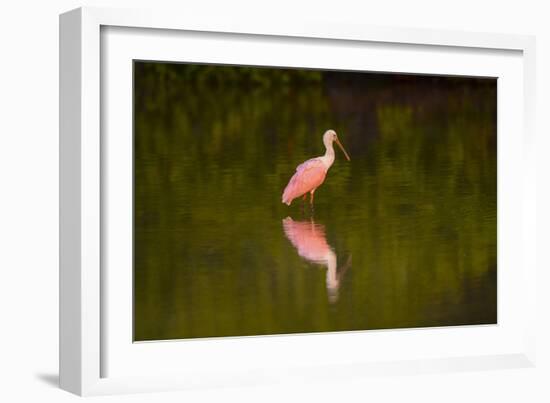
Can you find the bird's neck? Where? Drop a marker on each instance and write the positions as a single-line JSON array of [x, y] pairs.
[[328, 158]]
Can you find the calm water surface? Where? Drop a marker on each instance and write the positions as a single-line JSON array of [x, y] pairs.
[[404, 235]]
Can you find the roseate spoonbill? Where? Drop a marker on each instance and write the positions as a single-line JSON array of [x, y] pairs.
[[311, 174], [310, 241]]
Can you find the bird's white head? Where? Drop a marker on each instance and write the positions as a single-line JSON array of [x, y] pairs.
[[329, 137]]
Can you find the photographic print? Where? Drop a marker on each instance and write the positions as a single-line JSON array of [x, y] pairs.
[[275, 200]]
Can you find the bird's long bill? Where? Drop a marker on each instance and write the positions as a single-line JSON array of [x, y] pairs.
[[342, 148]]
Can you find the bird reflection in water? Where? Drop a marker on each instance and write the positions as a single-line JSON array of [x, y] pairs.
[[310, 242]]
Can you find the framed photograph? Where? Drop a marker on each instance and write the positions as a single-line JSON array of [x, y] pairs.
[[249, 202]]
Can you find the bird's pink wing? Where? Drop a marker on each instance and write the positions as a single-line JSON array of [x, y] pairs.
[[309, 175]]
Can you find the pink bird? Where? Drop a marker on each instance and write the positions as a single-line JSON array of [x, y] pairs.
[[311, 174]]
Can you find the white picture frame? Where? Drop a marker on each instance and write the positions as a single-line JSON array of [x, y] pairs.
[[86, 339]]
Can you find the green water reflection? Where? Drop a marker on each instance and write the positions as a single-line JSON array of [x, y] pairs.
[[407, 228]]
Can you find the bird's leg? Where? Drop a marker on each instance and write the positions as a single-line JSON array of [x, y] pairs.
[[304, 204], [311, 199]]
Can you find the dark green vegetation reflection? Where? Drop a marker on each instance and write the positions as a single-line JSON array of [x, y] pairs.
[[404, 235]]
